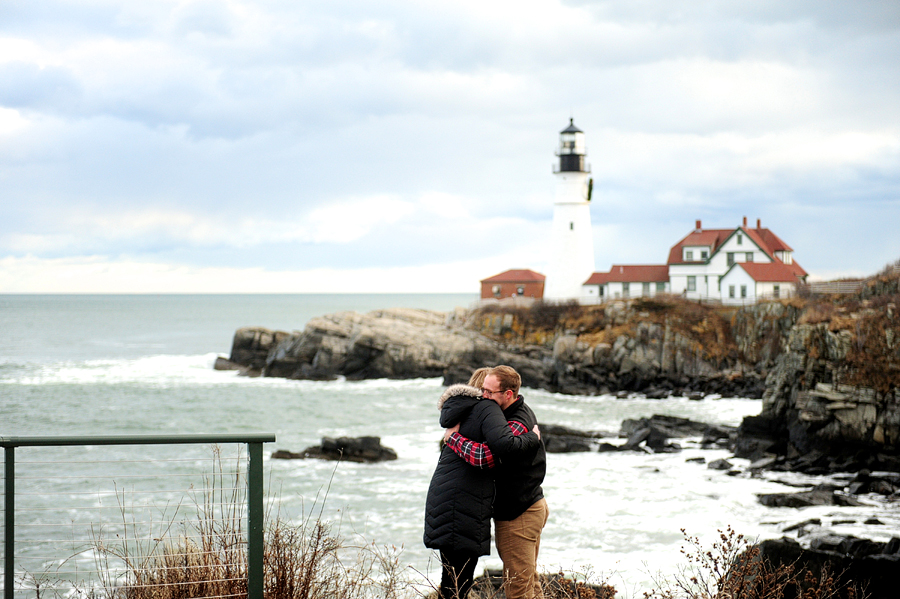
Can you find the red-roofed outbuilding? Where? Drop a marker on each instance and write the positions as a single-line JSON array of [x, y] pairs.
[[520, 282]]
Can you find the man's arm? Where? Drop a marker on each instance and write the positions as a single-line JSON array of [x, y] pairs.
[[479, 454]]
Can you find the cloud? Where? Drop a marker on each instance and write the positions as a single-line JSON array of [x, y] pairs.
[[358, 136]]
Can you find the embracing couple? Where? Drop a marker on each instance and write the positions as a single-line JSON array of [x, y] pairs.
[[492, 464]]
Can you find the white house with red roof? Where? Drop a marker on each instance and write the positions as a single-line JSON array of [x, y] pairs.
[[703, 265], [733, 266]]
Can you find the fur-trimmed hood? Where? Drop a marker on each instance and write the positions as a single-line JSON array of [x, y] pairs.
[[458, 389]]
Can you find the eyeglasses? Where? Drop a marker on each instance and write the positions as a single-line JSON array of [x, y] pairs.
[[492, 393]]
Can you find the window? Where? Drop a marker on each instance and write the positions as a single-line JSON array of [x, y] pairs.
[[645, 289], [496, 290], [748, 257], [731, 291], [601, 290], [704, 255], [625, 290], [520, 290], [740, 239], [730, 258], [689, 256], [692, 283], [743, 291], [571, 226], [660, 287], [776, 290]]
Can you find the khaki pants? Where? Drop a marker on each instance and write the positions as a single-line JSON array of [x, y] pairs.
[[518, 542]]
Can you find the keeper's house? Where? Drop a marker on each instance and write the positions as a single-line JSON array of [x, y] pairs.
[[734, 266]]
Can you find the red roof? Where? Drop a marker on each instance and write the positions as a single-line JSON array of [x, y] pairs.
[[774, 272], [767, 241], [712, 238], [522, 275], [631, 273]]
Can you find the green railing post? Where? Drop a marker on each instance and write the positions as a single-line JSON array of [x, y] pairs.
[[255, 525], [9, 511], [255, 508]]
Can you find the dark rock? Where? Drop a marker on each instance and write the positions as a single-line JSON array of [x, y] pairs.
[[719, 465], [803, 525], [490, 584], [564, 444], [699, 460], [562, 439], [351, 449], [636, 438], [564, 431], [820, 495], [876, 574], [224, 364], [893, 546], [764, 462]]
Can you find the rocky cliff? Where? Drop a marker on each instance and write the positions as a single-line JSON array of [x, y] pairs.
[[831, 400], [828, 369]]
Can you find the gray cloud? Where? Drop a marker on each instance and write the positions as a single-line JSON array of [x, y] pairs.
[[222, 133]]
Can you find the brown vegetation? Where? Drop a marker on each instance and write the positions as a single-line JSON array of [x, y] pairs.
[[732, 569]]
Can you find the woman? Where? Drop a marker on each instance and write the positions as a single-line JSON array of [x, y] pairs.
[[458, 506]]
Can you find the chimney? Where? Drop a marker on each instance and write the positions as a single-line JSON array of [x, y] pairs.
[[745, 221], [758, 224], [698, 227]]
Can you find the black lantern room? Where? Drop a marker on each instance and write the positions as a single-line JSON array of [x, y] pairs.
[[572, 150]]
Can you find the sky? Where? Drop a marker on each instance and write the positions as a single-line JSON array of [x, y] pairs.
[[239, 146]]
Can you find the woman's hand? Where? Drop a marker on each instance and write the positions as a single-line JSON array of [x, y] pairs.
[[450, 431]]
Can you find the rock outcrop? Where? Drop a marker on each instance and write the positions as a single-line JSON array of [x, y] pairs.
[[832, 399], [828, 370], [398, 343], [349, 449], [871, 565]]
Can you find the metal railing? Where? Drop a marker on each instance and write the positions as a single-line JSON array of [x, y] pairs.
[[72, 483]]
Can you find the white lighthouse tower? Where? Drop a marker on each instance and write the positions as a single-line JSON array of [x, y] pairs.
[[572, 243]]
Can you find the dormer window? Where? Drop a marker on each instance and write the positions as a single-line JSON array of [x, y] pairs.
[[704, 255], [689, 256]]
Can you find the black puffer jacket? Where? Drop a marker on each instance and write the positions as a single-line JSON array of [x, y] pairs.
[[460, 497]]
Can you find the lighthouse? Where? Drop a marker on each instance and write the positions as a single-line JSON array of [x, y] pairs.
[[572, 243]]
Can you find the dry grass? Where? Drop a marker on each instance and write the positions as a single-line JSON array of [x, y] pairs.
[[310, 560], [732, 569], [305, 560]]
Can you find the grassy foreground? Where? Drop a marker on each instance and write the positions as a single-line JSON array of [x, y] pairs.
[[311, 560]]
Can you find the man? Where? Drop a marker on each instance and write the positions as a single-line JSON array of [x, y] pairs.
[[520, 510]]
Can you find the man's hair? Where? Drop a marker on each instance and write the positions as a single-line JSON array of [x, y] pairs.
[[478, 376], [508, 378]]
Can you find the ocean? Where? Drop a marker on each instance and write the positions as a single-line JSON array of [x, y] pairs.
[[142, 365]]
